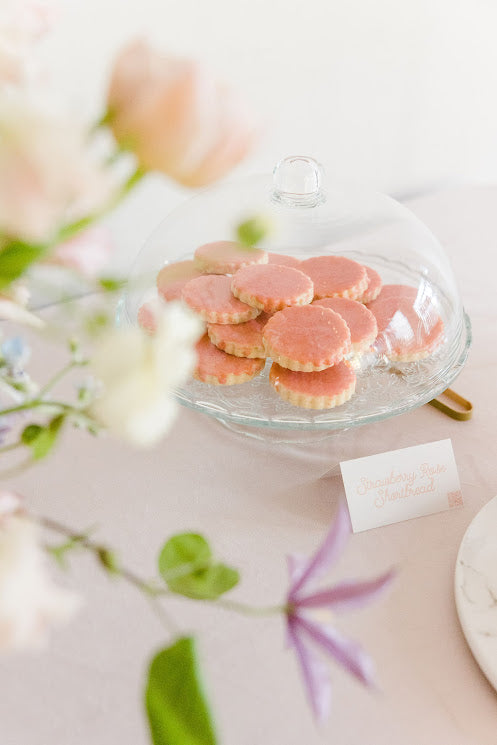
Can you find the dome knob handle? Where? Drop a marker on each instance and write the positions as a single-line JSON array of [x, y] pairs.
[[297, 181]]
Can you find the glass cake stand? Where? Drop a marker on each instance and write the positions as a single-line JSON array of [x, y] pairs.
[[306, 220]]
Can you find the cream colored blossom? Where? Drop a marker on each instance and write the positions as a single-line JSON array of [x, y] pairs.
[[139, 372], [47, 176], [30, 602]]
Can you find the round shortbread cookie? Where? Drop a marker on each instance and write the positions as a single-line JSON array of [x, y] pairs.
[[241, 339], [335, 276], [374, 285], [314, 390], [409, 326], [360, 320], [173, 277], [211, 298], [226, 257], [306, 338], [283, 260], [272, 287], [219, 368]]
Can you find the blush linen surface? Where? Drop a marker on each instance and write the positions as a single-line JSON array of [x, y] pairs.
[[259, 501]]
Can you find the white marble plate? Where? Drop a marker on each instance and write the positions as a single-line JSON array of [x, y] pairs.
[[476, 588]]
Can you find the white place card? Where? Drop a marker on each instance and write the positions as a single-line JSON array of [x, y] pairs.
[[401, 484]]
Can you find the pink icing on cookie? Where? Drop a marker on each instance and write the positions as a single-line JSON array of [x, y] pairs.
[[374, 285], [335, 276], [215, 366], [360, 320], [272, 287], [241, 339], [306, 338], [146, 317], [409, 325], [173, 277], [226, 257], [330, 382], [283, 260], [210, 296]]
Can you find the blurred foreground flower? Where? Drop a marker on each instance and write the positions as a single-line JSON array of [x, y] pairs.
[[302, 628], [87, 253], [139, 372], [175, 117], [22, 23], [29, 601], [13, 304], [47, 175]]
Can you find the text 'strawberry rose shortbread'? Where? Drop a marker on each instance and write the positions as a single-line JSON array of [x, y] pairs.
[[173, 277], [211, 298], [314, 390], [360, 320], [272, 287], [226, 257], [283, 260], [306, 338], [409, 325], [241, 339], [219, 368], [374, 285], [335, 276]]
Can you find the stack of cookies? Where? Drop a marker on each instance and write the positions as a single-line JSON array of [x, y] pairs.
[[309, 317]]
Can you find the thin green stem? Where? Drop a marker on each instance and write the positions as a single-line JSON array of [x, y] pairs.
[[58, 376], [128, 575], [9, 473], [231, 605], [12, 446]]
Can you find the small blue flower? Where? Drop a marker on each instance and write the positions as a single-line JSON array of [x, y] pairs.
[[15, 352]]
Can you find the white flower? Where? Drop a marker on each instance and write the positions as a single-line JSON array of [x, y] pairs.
[[139, 372], [22, 23], [47, 174], [29, 601]]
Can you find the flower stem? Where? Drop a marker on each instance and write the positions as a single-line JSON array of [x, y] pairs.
[[58, 376], [128, 575]]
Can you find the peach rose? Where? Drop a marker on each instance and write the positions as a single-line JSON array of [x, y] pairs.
[[175, 117]]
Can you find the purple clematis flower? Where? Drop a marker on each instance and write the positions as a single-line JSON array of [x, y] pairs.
[[306, 634]]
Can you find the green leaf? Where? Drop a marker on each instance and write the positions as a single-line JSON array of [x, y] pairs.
[[108, 559], [15, 258], [186, 552], [177, 709], [206, 584], [252, 231], [30, 433], [188, 567], [41, 440], [111, 284]]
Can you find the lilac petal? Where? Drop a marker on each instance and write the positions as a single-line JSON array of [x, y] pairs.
[[296, 564], [329, 551], [348, 595], [346, 652], [314, 673]]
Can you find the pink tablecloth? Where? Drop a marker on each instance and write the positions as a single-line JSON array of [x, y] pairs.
[[256, 502]]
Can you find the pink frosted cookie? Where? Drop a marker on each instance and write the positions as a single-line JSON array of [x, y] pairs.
[[306, 338], [219, 368], [240, 339], [173, 277], [335, 276], [226, 257], [283, 260], [210, 296], [272, 287], [314, 390], [360, 320], [374, 285], [146, 317], [409, 326]]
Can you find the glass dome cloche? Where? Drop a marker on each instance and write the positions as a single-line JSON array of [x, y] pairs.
[[351, 297]]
